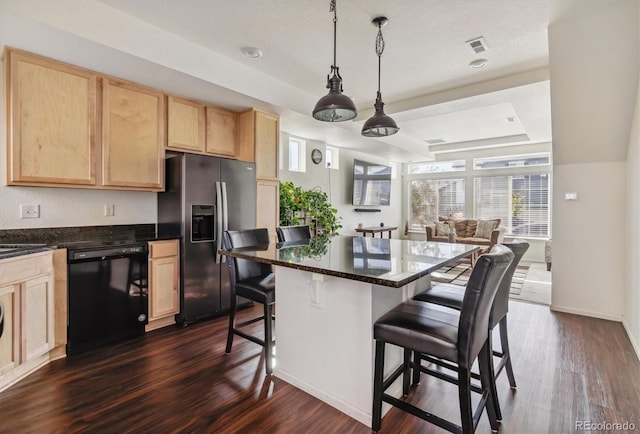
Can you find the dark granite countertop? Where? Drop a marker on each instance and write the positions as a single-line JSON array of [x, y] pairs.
[[381, 261], [12, 250]]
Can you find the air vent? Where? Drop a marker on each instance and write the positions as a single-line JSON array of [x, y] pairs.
[[477, 45], [434, 141]]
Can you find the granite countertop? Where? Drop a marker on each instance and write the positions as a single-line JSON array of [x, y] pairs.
[[12, 250], [381, 261]]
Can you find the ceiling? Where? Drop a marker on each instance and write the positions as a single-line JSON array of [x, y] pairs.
[[427, 83]]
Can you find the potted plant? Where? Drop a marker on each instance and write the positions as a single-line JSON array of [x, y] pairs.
[[312, 207]]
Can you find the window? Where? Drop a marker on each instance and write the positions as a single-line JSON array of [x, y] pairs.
[[521, 202], [529, 160], [431, 198], [437, 167], [332, 158], [297, 154]]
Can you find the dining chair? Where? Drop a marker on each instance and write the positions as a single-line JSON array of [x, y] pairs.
[[254, 281], [293, 233], [459, 336], [452, 296]]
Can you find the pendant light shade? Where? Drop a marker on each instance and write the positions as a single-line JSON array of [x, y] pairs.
[[335, 106], [379, 125]]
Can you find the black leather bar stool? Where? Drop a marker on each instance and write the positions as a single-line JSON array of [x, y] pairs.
[[457, 336], [293, 233], [452, 295], [254, 281]]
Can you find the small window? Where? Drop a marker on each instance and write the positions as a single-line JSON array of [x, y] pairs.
[[332, 158], [297, 153], [437, 167], [529, 160]]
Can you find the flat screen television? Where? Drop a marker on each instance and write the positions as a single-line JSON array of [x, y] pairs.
[[371, 184]]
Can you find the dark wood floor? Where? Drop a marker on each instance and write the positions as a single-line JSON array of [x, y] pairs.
[[568, 368]]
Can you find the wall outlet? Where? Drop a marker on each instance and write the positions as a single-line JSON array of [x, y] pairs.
[[109, 209], [29, 211]]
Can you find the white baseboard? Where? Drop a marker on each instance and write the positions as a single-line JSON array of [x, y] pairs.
[[617, 318], [630, 336]]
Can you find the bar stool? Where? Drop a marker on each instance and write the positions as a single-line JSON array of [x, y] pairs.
[[457, 336], [254, 281], [293, 233], [452, 295]]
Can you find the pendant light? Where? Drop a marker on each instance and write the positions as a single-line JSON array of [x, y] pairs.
[[379, 125], [335, 106]]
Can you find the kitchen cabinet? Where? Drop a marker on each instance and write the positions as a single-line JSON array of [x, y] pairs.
[[185, 125], [267, 206], [27, 293], [52, 122], [222, 132], [132, 136], [164, 287]]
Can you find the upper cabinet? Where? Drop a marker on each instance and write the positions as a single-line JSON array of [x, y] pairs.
[[222, 132], [185, 124], [132, 136], [259, 133], [57, 129], [51, 122]]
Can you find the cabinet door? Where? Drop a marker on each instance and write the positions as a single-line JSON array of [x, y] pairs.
[[132, 136], [266, 145], [52, 121], [37, 321], [267, 206], [222, 132], [9, 341], [185, 124], [163, 281]]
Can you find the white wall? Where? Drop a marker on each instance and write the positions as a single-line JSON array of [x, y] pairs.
[[337, 183], [588, 239], [631, 313]]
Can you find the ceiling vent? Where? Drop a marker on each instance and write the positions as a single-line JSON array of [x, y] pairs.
[[477, 45], [434, 141]]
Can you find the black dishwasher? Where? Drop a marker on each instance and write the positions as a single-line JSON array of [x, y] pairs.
[[108, 294]]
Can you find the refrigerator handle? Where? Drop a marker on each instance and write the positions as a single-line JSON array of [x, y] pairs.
[[219, 222], [225, 208]]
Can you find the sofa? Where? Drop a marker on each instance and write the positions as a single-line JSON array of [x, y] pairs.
[[467, 231]]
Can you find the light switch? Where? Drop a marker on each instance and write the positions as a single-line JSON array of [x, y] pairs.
[[109, 210], [571, 196]]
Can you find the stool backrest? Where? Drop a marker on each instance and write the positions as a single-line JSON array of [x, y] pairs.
[[501, 303], [473, 328], [293, 233], [240, 269]]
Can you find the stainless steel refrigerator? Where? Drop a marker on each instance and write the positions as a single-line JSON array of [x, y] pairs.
[[203, 197]]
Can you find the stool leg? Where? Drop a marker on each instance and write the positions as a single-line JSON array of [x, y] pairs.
[[464, 396], [406, 374], [487, 380], [416, 368], [376, 418], [504, 341], [268, 339], [232, 319]]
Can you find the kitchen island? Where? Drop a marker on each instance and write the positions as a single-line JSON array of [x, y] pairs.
[[329, 292]]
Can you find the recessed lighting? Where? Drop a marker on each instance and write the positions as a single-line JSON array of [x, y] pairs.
[[510, 119], [252, 52], [478, 63]]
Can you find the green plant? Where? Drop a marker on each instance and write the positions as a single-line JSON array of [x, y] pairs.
[[312, 207]]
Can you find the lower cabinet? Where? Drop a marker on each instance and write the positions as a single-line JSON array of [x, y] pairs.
[[27, 294], [164, 287]]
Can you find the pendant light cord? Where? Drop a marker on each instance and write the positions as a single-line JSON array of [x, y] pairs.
[[379, 51], [332, 8]]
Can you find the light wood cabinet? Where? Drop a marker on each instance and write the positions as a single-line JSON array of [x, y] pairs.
[[27, 293], [222, 132], [267, 206], [132, 136], [51, 121], [258, 142], [164, 286], [185, 124]]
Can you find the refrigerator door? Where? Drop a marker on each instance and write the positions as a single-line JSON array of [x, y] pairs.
[[201, 273], [238, 180]]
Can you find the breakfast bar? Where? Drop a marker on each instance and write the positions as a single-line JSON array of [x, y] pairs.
[[329, 292]]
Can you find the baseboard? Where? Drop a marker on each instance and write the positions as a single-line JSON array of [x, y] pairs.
[[630, 336], [598, 315]]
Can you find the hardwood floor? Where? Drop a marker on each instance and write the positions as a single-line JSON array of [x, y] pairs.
[[568, 368]]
